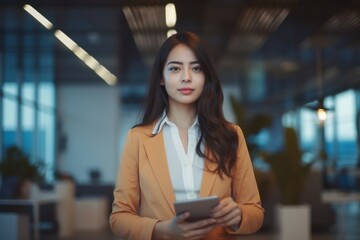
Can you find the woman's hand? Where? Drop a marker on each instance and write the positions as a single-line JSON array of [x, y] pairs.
[[227, 213], [178, 228]]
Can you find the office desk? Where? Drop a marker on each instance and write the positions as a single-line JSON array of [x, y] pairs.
[[18, 205]]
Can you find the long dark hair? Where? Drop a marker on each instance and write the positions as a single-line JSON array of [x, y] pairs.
[[218, 135]]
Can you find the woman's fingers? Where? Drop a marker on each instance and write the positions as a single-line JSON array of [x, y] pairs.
[[224, 204], [199, 233], [227, 212], [202, 223], [181, 229], [229, 219], [181, 218], [224, 208], [199, 229]]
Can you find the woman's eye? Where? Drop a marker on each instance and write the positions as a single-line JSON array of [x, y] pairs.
[[197, 69], [174, 69]]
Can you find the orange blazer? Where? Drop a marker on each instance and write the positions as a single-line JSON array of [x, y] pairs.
[[144, 195]]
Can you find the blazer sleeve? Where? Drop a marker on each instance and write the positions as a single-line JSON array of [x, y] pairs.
[[124, 220], [245, 191]]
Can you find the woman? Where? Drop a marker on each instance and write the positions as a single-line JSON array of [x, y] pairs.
[[183, 149]]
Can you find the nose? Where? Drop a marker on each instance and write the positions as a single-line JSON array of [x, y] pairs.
[[186, 76]]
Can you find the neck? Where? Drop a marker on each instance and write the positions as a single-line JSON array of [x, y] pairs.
[[182, 116]]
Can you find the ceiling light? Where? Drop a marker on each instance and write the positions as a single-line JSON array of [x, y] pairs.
[[170, 15], [320, 108], [68, 42], [171, 32], [33, 12], [108, 77], [321, 114], [91, 62], [81, 53]]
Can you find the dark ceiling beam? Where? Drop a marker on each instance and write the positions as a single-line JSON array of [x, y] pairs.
[[271, 3], [97, 3]]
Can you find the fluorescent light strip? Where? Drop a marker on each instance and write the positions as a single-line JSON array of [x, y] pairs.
[[170, 15], [32, 11], [89, 60], [81, 53], [108, 77], [68, 42], [92, 63]]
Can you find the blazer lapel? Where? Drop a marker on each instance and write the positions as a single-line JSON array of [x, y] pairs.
[[155, 151], [209, 177]]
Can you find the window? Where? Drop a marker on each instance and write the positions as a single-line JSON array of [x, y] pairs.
[[339, 129], [28, 99], [345, 129], [10, 114]]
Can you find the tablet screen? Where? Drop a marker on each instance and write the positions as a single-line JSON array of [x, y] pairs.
[[199, 208]]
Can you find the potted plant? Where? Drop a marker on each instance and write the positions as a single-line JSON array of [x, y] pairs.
[[17, 171], [252, 125], [291, 173]]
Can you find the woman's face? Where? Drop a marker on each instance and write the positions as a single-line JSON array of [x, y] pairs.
[[183, 76]]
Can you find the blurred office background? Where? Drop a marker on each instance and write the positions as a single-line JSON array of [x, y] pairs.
[[73, 76]]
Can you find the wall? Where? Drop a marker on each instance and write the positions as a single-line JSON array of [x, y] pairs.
[[90, 119]]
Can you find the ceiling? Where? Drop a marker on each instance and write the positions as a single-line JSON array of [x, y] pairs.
[[279, 53]]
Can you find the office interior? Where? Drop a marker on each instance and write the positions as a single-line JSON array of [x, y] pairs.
[[73, 77]]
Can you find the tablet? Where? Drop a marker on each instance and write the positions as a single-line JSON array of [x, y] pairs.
[[199, 208]]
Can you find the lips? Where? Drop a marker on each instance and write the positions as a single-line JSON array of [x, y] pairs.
[[186, 91]]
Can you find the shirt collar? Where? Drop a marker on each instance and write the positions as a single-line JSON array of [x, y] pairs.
[[164, 119]]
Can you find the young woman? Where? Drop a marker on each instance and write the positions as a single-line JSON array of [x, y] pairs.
[[183, 149]]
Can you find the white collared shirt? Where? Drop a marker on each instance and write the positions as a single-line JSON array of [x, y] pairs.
[[185, 167]]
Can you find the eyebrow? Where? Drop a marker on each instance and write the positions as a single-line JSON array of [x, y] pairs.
[[181, 63]]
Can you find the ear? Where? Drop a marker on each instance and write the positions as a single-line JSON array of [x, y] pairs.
[[162, 83]]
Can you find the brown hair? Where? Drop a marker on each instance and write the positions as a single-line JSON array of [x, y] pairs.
[[218, 134]]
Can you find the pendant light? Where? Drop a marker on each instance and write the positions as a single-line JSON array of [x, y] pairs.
[[318, 105]]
